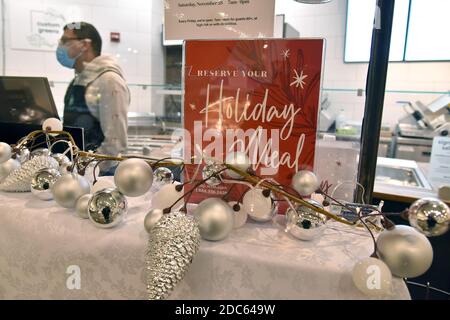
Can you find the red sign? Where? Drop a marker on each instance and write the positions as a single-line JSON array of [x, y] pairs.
[[260, 97]]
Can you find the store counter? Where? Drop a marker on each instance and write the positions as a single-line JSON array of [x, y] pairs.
[[42, 245]]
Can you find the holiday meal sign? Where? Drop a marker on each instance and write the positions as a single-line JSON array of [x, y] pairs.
[[260, 97]]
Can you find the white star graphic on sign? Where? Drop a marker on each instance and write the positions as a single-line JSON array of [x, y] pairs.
[[286, 53], [192, 106], [299, 79]]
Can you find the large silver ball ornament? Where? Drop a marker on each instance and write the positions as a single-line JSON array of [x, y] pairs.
[[107, 208], [5, 152], [258, 206], [42, 182], [162, 176], [133, 177], [152, 218], [305, 223], [68, 189], [406, 252], [238, 160], [7, 167], [210, 170], [305, 182], [429, 216], [82, 206], [215, 219]]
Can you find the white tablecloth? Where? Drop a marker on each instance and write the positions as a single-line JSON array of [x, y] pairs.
[[39, 242]]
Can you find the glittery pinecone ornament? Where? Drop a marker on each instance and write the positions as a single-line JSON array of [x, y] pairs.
[[20, 179], [172, 245]]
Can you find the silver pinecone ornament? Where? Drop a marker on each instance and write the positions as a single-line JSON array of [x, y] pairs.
[[20, 179], [172, 245]]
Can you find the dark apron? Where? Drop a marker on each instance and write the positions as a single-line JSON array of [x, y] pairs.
[[77, 114]]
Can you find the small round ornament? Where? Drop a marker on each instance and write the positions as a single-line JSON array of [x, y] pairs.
[[24, 155], [162, 176], [133, 177], [258, 206], [167, 195], [102, 183], [69, 188], [82, 206], [152, 218], [429, 216], [52, 124], [372, 277], [5, 152], [239, 214], [406, 252], [305, 223], [215, 219], [305, 182], [238, 160], [42, 182], [107, 208], [210, 170], [7, 167]]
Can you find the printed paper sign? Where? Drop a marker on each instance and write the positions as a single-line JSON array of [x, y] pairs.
[[439, 173], [228, 19], [260, 97]]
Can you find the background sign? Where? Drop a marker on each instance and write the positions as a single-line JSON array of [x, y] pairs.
[[260, 97], [40, 27], [228, 19], [439, 173]]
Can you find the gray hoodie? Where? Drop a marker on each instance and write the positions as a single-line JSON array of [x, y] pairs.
[[108, 98]]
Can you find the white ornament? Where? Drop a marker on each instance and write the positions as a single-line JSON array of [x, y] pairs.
[[82, 206], [5, 152], [166, 196], [52, 124], [7, 167], [305, 182], [240, 215], [259, 207]]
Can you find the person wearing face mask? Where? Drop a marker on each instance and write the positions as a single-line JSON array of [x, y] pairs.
[[98, 97]]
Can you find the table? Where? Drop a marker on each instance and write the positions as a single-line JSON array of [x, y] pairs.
[[43, 245]]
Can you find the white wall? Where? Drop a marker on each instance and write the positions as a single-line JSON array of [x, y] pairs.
[[328, 21], [138, 21]]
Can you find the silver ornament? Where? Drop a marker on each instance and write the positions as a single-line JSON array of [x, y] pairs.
[[7, 167], [210, 171], [162, 176], [24, 155], [20, 180], [172, 245], [406, 252], [61, 158], [5, 152], [81, 206], [238, 160], [372, 277], [305, 182], [133, 177], [64, 168], [107, 208], [240, 215], [42, 182], [305, 223], [429, 216], [259, 207], [215, 219], [152, 218], [39, 152], [69, 188]]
